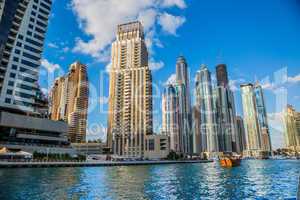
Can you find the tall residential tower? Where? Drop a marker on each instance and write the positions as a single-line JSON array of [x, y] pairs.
[[130, 92], [185, 114], [170, 117], [69, 101], [23, 25], [204, 99]]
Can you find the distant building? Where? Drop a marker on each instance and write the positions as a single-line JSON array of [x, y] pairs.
[[170, 118], [196, 128], [241, 136], [292, 128], [262, 118], [130, 92], [251, 123], [225, 112], [185, 114], [222, 76], [88, 148], [156, 147], [69, 101], [204, 99]]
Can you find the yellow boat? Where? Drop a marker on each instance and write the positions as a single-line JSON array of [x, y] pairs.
[[230, 161]]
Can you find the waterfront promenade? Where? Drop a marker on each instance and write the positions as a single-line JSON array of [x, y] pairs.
[[94, 163]]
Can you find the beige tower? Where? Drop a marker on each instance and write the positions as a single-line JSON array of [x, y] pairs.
[[130, 93], [69, 101]]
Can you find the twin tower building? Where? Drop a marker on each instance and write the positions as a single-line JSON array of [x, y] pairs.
[[210, 126]]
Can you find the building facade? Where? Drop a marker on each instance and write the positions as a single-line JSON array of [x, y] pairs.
[[185, 114], [170, 118], [241, 137], [204, 99], [262, 118], [292, 128], [225, 112], [130, 92], [253, 136], [23, 25], [156, 147], [69, 101]]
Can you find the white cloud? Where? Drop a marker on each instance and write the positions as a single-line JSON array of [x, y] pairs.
[[52, 45], [294, 79], [66, 49], [235, 84], [49, 66], [99, 19], [171, 80], [170, 23], [154, 66], [179, 3]]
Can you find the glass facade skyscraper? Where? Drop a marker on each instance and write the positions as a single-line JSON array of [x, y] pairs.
[[23, 26], [170, 118], [225, 112], [204, 99], [262, 118], [185, 115]]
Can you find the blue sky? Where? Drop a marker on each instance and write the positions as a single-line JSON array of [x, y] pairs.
[[254, 38]]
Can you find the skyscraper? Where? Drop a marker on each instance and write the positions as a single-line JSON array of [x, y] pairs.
[[253, 136], [292, 128], [225, 115], [23, 26], [170, 117], [241, 137], [262, 118], [204, 99], [69, 101], [130, 92], [222, 76], [196, 128], [185, 115]]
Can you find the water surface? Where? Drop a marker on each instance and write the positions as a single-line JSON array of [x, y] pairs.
[[254, 179]]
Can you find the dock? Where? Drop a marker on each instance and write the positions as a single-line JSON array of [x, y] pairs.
[[95, 163]]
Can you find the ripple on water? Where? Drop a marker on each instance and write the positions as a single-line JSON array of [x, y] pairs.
[[253, 180]]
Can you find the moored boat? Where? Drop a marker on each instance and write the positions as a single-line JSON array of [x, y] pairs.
[[230, 161]]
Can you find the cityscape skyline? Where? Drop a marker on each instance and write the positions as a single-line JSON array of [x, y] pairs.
[[161, 76]]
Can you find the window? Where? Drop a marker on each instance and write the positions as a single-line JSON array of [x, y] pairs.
[[17, 51], [19, 44], [29, 48], [33, 13], [12, 75], [20, 37], [27, 55], [23, 95], [151, 144], [34, 42], [30, 64], [16, 59], [29, 33], [11, 83], [9, 92], [7, 100], [15, 67]]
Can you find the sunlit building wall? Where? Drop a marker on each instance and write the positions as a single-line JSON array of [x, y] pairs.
[[130, 92]]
